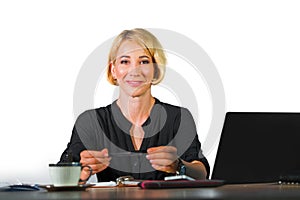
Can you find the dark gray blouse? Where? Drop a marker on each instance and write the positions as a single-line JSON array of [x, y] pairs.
[[106, 127]]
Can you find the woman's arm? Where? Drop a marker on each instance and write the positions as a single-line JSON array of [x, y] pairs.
[[195, 169], [97, 160], [164, 158]]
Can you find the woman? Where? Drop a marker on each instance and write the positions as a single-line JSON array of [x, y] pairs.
[[137, 134]]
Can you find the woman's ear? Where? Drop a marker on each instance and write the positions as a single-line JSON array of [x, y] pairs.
[[112, 70]]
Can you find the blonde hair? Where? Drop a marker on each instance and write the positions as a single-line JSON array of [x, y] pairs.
[[149, 43]]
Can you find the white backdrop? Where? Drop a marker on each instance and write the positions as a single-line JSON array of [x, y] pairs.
[[254, 45]]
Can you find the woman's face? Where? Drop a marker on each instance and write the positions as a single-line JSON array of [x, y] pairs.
[[133, 69]]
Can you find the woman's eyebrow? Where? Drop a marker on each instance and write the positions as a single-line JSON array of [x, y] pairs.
[[144, 56], [124, 56]]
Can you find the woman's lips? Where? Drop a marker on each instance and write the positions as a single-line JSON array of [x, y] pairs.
[[134, 83]]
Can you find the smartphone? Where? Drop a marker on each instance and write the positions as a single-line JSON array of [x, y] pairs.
[[179, 177]]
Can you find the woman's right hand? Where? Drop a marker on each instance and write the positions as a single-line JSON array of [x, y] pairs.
[[97, 160]]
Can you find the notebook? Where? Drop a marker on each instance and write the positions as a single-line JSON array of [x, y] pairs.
[[259, 147], [160, 184]]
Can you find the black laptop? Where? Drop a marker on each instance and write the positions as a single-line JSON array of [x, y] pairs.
[[257, 147]]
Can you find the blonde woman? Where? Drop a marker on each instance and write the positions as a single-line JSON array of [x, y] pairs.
[[137, 134]]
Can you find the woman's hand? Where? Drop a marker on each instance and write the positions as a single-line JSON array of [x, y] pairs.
[[163, 158], [97, 160]]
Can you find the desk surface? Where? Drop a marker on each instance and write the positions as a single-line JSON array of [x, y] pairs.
[[238, 191]]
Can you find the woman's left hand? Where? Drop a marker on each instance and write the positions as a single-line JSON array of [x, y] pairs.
[[163, 158]]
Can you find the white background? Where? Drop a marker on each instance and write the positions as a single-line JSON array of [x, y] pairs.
[[254, 45]]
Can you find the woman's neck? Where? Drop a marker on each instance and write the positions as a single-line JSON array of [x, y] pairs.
[[136, 109]]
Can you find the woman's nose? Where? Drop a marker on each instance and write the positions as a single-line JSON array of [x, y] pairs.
[[135, 65], [135, 69]]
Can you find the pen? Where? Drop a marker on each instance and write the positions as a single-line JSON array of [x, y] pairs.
[[126, 154]]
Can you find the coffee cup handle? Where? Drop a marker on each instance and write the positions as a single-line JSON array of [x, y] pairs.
[[91, 172]]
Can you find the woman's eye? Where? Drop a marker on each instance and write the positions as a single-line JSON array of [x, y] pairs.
[[144, 62], [124, 62]]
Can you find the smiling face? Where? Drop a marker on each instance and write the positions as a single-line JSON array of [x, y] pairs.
[[133, 69]]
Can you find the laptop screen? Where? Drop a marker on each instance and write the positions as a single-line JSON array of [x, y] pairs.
[[258, 147]]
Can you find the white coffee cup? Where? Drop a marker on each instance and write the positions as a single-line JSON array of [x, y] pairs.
[[66, 174]]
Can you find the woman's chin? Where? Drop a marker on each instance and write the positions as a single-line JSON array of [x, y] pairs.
[[140, 91]]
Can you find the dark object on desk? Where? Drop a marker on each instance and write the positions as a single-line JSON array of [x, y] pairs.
[[52, 188], [157, 184], [292, 177], [22, 187], [258, 147]]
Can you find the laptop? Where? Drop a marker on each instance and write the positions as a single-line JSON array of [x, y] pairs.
[[258, 147]]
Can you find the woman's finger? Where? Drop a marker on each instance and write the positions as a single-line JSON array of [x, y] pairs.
[[169, 149], [162, 162], [90, 161], [166, 168], [162, 155], [94, 154]]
